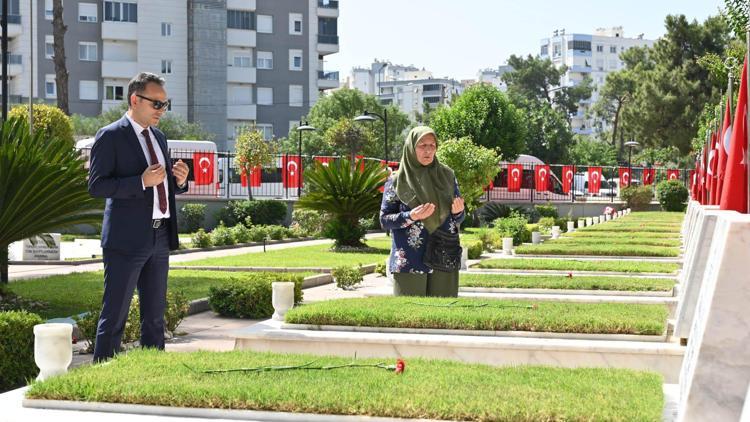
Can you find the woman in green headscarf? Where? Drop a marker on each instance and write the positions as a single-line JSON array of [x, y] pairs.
[[422, 205]]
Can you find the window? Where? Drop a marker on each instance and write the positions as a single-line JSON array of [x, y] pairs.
[[114, 92], [88, 90], [600, 64], [242, 61], [87, 51], [295, 23], [613, 49], [265, 96], [265, 60], [48, 11], [50, 86], [545, 50], [240, 94], [87, 12], [599, 48], [166, 29], [579, 45], [116, 11], [295, 59], [295, 95], [556, 50], [166, 67], [267, 131], [240, 19], [265, 24], [49, 46]]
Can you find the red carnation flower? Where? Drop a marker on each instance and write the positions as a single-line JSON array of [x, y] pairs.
[[400, 366], [570, 275]]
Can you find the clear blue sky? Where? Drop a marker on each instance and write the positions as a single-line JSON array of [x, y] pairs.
[[457, 38]]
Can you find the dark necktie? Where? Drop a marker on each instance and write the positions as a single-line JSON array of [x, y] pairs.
[[160, 187]]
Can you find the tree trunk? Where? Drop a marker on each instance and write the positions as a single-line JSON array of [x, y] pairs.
[[4, 264], [614, 124], [61, 71]]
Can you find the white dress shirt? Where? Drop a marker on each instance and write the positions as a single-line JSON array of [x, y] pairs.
[[160, 156]]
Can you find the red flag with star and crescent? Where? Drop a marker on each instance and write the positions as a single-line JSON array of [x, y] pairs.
[[726, 134], [515, 177], [734, 190], [624, 177], [568, 173], [648, 176], [541, 178], [203, 168], [595, 179], [292, 174]]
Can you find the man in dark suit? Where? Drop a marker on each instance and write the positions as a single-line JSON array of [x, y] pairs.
[[131, 168]]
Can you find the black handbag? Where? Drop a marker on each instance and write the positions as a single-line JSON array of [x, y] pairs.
[[443, 252]]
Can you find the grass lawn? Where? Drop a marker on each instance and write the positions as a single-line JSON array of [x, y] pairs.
[[632, 266], [318, 256], [637, 228], [602, 249], [484, 314], [564, 282], [71, 294], [570, 240], [620, 235], [427, 389]]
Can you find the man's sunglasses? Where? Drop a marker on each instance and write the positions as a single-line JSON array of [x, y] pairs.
[[158, 105]]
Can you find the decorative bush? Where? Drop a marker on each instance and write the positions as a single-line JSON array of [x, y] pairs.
[[545, 224], [562, 222], [514, 227], [49, 120], [258, 233], [277, 232], [490, 239], [17, 348], [221, 235], [266, 212], [637, 197], [491, 211], [344, 233], [241, 233], [546, 211], [249, 296], [672, 195], [347, 276], [191, 217], [475, 249], [177, 309], [531, 214], [381, 269], [309, 223], [201, 239]]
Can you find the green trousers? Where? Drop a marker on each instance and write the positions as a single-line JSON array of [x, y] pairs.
[[439, 283]]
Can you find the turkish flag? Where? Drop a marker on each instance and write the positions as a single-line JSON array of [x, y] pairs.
[[702, 177], [203, 168], [648, 176], [541, 178], [673, 174], [734, 190], [324, 160], [361, 161], [723, 147], [713, 167], [515, 177], [692, 177], [255, 177], [291, 176], [595, 179], [568, 174], [624, 177]]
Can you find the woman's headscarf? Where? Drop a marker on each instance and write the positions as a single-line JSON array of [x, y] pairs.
[[417, 184]]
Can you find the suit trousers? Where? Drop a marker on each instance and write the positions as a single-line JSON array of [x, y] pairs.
[[124, 271]]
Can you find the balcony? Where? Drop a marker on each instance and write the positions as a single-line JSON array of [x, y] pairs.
[[241, 37], [118, 69], [242, 75], [241, 4], [328, 80], [14, 26], [241, 112], [328, 44], [127, 31], [328, 9], [15, 65]]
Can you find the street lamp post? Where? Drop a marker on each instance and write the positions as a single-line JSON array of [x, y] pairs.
[[630, 144], [301, 128], [367, 116]]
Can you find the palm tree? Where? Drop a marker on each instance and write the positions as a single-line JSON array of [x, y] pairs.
[[42, 187], [347, 195]]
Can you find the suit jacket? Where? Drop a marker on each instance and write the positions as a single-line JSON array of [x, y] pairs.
[[117, 163]]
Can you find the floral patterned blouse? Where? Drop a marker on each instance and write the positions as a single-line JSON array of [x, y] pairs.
[[409, 237]]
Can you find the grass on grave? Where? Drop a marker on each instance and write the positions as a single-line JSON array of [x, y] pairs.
[[626, 266], [621, 235], [317, 256], [576, 282], [71, 294], [644, 240], [637, 228], [602, 249], [432, 389], [484, 314]]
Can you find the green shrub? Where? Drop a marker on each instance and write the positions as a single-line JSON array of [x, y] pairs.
[[177, 309], [545, 224], [47, 119], [491, 211], [221, 235], [258, 233], [490, 239], [546, 211], [637, 197], [277, 232], [191, 217], [87, 323], [250, 295], [562, 222], [343, 232], [265, 212], [309, 223], [226, 214], [381, 269], [17, 348], [531, 214], [370, 223], [672, 195], [201, 239], [514, 227], [347, 276], [241, 233], [10, 301], [475, 249]]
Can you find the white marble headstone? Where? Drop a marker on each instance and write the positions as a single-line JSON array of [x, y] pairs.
[[716, 367]]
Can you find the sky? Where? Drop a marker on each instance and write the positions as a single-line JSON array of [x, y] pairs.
[[457, 38]]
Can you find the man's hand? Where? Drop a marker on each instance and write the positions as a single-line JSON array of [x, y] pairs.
[[458, 205], [153, 175], [421, 212], [180, 171]]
